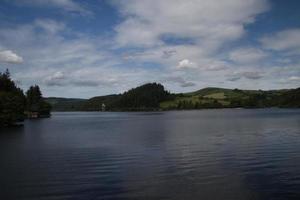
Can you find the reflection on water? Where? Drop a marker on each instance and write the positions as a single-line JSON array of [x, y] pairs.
[[209, 154]]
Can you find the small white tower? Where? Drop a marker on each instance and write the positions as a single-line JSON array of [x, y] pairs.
[[103, 107]]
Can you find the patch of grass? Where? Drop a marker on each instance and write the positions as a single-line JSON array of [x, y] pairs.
[[219, 95]]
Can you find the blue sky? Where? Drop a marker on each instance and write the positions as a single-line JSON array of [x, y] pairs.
[[75, 48]]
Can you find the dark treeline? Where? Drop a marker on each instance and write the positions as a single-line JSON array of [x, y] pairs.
[[145, 97], [12, 101], [15, 106]]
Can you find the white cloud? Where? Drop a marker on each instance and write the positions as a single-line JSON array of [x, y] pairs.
[[134, 32], [208, 22], [290, 81], [252, 75], [89, 77], [203, 26], [294, 78], [186, 64], [55, 79], [178, 79], [287, 40], [49, 25], [9, 56], [58, 75], [61, 59], [247, 55], [53, 60], [215, 65]]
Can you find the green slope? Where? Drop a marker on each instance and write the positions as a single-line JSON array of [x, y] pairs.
[[65, 104], [139, 98], [233, 98]]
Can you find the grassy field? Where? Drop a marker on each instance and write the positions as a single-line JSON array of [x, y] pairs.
[[219, 95], [213, 97]]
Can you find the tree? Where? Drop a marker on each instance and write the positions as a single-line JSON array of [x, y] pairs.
[[34, 97], [35, 101], [12, 101]]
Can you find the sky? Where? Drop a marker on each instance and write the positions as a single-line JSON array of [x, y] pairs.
[[86, 48]]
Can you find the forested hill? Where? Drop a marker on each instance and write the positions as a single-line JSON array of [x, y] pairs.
[[153, 96], [145, 97]]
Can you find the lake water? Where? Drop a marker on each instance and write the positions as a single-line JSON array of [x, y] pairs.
[[208, 154]]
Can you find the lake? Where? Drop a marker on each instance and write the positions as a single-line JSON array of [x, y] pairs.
[[207, 154]]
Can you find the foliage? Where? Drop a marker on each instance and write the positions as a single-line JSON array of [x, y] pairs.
[[290, 99], [228, 98], [66, 104], [153, 97], [144, 97], [12, 101], [95, 103], [35, 101]]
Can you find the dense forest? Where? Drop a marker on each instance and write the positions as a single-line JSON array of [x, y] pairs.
[[153, 96], [145, 97], [15, 106]]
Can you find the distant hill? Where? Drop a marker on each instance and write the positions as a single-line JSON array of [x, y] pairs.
[[95, 103], [233, 98], [153, 96], [145, 97], [65, 104]]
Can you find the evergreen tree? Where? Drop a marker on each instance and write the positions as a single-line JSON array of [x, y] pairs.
[[34, 97], [12, 101], [35, 101]]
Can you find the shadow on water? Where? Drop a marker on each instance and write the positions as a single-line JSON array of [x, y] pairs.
[[13, 129]]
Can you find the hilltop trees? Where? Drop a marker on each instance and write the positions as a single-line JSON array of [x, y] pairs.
[[290, 99], [12, 101], [144, 97]]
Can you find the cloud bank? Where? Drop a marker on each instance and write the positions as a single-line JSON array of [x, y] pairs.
[[186, 45], [8, 56]]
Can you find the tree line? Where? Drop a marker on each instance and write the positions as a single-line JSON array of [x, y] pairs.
[[15, 106], [144, 97]]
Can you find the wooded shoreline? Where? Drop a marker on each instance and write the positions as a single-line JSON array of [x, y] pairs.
[[15, 106]]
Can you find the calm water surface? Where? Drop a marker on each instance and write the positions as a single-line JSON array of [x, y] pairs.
[[209, 154]]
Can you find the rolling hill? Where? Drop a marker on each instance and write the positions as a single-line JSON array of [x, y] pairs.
[[154, 97]]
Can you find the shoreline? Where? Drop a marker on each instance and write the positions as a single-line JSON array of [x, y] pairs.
[[121, 111]]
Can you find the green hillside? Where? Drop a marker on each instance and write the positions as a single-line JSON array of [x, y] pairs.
[[65, 104], [233, 98], [154, 97]]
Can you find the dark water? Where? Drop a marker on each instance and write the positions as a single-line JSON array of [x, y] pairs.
[[209, 154]]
